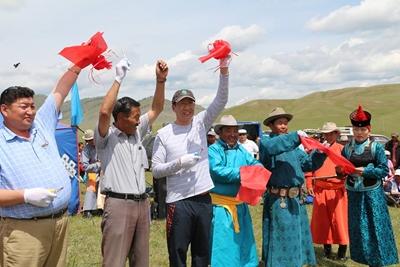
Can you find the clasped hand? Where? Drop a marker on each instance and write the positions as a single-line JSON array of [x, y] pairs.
[[40, 197]]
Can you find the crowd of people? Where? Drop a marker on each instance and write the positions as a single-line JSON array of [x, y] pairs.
[[201, 162]]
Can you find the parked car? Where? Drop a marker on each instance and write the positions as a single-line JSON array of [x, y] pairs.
[[348, 132], [346, 135]]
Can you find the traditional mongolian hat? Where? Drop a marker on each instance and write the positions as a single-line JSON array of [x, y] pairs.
[[360, 117]]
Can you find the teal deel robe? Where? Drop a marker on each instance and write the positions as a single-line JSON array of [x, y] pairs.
[[229, 248], [286, 231]]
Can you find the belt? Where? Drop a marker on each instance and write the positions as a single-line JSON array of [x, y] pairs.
[[127, 196], [290, 192], [50, 216]]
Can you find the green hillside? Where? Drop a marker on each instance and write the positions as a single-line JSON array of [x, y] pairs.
[[313, 110], [310, 111]]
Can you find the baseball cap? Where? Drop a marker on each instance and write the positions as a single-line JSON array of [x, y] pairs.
[[181, 94], [242, 131], [212, 132]]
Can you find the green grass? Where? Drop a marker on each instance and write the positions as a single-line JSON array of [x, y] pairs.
[[85, 240]]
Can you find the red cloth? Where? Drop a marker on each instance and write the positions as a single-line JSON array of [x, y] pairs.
[[337, 158], [88, 53], [329, 218], [220, 50], [253, 183]]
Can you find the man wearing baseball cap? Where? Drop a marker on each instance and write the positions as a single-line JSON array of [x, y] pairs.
[[180, 153], [211, 137], [248, 144]]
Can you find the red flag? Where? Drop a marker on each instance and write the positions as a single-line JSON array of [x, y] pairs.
[[220, 49], [88, 53], [338, 159], [253, 183]]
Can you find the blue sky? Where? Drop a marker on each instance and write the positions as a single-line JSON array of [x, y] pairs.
[[287, 48]]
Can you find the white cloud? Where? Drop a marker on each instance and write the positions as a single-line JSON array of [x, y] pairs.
[[11, 4], [240, 38], [204, 100], [368, 15]]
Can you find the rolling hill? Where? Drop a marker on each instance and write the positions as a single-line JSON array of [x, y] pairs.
[[310, 111]]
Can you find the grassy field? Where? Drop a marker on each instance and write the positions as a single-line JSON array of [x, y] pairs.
[[85, 240]]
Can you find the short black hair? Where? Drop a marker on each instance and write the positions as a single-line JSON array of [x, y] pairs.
[[13, 93], [124, 105]]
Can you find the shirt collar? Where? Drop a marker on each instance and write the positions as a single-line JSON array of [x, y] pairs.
[[10, 135], [225, 146], [116, 130]]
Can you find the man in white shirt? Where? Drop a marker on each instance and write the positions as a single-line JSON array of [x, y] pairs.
[[180, 153], [248, 144]]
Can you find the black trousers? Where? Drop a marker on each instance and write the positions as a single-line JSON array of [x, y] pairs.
[[189, 222]]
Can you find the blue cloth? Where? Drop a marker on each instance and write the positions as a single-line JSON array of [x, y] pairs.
[[34, 163], [229, 248], [371, 235], [286, 231], [73, 204], [225, 167], [76, 107], [282, 156], [66, 138]]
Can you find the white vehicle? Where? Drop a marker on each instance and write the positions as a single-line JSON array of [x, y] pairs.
[[346, 135], [348, 132]]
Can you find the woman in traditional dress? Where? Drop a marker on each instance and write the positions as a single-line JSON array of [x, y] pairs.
[[371, 235]]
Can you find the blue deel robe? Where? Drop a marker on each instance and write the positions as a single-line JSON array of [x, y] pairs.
[[370, 229], [229, 248], [286, 231]]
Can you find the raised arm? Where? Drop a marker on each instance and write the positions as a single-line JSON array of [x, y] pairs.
[[220, 100], [64, 85], [109, 100], [158, 100], [280, 144]]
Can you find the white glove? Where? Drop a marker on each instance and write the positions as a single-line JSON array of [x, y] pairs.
[[121, 68], [302, 133], [40, 197], [189, 160], [224, 62]]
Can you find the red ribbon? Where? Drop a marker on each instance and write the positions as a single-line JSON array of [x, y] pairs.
[[88, 53], [219, 50], [338, 159]]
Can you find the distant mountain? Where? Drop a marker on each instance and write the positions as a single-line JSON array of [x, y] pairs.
[[310, 111]]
